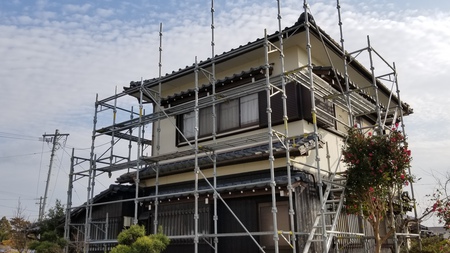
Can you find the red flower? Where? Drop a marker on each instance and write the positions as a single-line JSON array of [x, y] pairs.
[[402, 176]]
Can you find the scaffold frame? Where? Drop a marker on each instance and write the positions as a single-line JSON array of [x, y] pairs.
[[358, 101]]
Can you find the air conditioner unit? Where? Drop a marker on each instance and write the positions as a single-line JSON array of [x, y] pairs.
[[127, 221]]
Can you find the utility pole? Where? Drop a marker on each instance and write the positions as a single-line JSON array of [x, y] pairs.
[[40, 208], [54, 139]]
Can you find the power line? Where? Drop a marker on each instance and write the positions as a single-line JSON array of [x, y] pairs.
[[30, 154], [18, 136], [15, 193], [21, 135], [106, 143]]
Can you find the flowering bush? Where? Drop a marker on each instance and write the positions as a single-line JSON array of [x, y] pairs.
[[441, 207], [377, 168]]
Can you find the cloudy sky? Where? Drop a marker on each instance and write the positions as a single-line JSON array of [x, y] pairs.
[[55, 56]]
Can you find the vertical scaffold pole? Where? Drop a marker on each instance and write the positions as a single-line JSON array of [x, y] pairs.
[[158, 130], [290, 189], [196, 168], [87, 223], [314, 119], [69, 203], [214, 126], [111, 157], [344, 58], [270, 142], [94, 174], [139, 153], [380, 131], [400, 107], [375, 87], [130, 142], [347, 96]]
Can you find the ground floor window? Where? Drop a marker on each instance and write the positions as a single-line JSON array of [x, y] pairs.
[[178, 219]]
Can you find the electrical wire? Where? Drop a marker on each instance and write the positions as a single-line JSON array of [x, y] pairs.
[[15, 193], [106, 143], [18, 136], [30, 154]]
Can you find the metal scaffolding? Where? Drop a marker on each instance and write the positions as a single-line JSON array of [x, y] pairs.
[[358, 102]]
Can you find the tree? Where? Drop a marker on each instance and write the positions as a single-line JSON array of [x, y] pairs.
[[19, 230], [133, 240], [377, 168], [433, 244], [441, 203], [51, 231], [5, 229]]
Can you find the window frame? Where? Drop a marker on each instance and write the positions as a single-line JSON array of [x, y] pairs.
[[222, 131]]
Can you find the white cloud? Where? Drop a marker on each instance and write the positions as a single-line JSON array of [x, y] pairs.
[[77, 8], [104, 12]]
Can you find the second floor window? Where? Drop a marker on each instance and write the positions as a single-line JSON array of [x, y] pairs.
[[231, 115]]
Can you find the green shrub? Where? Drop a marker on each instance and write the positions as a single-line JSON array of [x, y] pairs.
[[129, 236], [133, 240]]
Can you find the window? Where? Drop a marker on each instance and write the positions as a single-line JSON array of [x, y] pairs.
[[189, 124], [231, 115], [205, 121], [249, 110], [228, 115], [204, 124]]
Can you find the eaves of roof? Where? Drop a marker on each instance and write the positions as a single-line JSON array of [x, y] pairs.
[[237, 182], [250, 46], [240, 182], [298, 27], [229, 80], [258, 152]]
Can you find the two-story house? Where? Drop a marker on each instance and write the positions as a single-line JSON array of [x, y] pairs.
[[241, 147]]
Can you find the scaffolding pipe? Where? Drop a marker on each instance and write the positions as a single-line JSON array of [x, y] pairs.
[[139, 151], [196, 168], [375, 86], [315, 132], [402, 125], [346, 77], [130, 146], [214, 126], [69, 203], [94, 174], [286, 134], [113, 132], [270, 140], [158, 130], [92, 159]]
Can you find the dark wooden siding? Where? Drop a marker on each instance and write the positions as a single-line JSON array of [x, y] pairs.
[[293, 103], [322, 106], [247, 211]]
